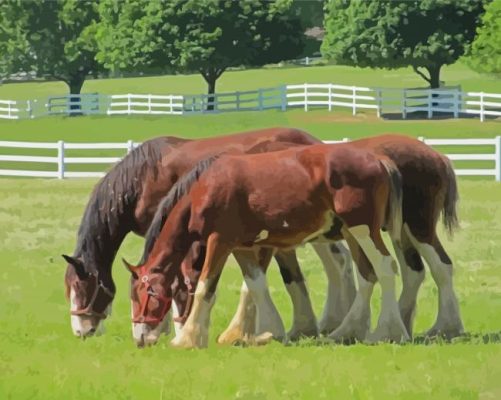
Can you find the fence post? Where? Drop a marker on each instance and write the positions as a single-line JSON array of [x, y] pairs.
[[482, 107], [379, 102], [354, 100], [305, 97], [404, 105], [128, 103], [130, 146], [456, 103], [60, 159], [29, 108], [421, 138], [260, 99], [498, 158], [330, 97], [284, 97], [237, 94], [430, 110], [149, 103]]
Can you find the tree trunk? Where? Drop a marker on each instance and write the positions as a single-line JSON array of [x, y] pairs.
[[434, 73], [211, 84], [75, 84], [434, 81], [211, 75]]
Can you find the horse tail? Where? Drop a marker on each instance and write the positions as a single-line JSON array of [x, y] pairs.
[[449, 210], [167, 204], [394, 218]]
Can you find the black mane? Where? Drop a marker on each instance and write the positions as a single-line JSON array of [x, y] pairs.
[[180, 188], [108, 216]]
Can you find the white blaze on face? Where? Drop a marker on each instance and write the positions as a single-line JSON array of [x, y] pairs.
[[145, 334], [83, 326]]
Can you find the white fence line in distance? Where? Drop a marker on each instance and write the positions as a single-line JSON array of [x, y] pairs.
[[430, 102]]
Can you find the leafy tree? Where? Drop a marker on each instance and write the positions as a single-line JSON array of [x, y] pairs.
[[486, 49], [425, 34], [54, 38], [207, 36]]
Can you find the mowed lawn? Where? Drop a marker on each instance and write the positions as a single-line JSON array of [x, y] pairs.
[[251, 79], [40, 359]]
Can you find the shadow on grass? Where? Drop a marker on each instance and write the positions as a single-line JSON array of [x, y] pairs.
[[419, 340], [423, 115]]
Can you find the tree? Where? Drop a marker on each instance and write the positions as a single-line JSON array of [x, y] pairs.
[[53, 38], [424, 34], [206, 36], [486, 49]]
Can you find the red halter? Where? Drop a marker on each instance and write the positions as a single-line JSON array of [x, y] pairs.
[[164, 300]]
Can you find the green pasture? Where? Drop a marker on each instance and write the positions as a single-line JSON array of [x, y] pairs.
[[251, 79], [326, 125], [40, 359]]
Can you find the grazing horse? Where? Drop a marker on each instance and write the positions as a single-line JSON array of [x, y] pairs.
[[429, 189], [273, 201], [126, 199]]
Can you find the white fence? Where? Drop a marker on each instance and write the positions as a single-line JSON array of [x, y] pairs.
[[59, 160], [331, 96], [483, 104], [145, 104], [405, 102], [9, 109]]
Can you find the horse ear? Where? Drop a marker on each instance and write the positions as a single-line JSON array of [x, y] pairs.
[[77, 264], [131, 268]]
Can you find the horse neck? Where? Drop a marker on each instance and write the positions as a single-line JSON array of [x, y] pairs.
[[174, 241], [100, 236]]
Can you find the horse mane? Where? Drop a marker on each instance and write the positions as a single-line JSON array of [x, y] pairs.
[[115, 195], [167, 204]]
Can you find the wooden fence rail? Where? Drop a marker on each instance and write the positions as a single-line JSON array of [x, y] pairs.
[[60, 160], [449, 101]]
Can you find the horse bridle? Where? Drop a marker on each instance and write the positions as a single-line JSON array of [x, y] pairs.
[[89, 309], [191, 294], [149, 293]]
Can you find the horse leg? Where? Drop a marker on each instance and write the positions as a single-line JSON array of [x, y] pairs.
[[304, 321], [268, 320], [195, 332], [243, 323], [355, 326], [341, 290], [390, 326], [448, 322], [412, 269]]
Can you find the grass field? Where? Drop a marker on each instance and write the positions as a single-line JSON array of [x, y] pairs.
[[323, 124], [457, 74], [39, 357]]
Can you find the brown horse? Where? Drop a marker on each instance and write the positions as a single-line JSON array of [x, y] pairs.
[[126, 199], [267, 201], [429, 189]]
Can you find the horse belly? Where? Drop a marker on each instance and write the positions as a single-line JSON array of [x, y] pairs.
[[295, 232]]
